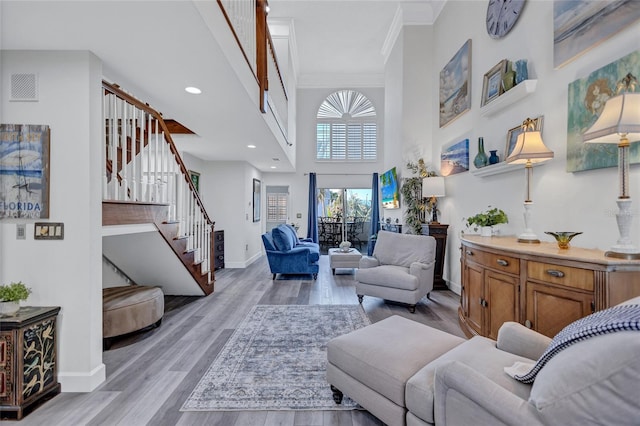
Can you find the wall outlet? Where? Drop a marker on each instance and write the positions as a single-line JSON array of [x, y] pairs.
[[299, 215]]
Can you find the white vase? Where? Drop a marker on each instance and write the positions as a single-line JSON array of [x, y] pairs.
[[9, 308], [486, 231]]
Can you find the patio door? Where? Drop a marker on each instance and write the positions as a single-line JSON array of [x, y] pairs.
[[343, 214]]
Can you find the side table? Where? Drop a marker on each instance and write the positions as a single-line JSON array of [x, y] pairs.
[[341, 259], [28, 360]]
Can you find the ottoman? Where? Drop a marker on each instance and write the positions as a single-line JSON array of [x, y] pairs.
[[372, 365], [130, 308], [341, 259]]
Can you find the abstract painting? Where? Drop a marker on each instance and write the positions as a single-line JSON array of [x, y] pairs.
[[455, 85], [587, 97], [579, 25], [455, 158], [24, 171]]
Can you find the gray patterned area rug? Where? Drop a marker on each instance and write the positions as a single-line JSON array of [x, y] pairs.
[[276, 360]]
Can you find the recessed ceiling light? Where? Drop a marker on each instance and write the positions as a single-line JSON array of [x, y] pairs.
[[193, 90], [251, 146], [273, 167]]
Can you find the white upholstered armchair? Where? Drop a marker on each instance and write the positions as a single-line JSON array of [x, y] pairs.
[[400, 269]]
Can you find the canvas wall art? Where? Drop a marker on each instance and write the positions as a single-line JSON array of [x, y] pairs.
[[24, 171], [579, 25], [455, 158], [455, 85], [586, 99]]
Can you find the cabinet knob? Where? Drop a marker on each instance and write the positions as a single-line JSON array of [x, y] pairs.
[[502, 262], [528, 324], [555, 273], [469, 253]]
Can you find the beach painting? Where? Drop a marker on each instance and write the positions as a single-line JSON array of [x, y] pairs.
[[455, 158], [455, 85], [579, 25], [24, 171], [587, 97]]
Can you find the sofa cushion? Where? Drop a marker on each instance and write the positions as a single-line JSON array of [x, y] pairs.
[[282, 238], [592, 382], [384, 355], [385, 274], [482, 356], [404, 249]]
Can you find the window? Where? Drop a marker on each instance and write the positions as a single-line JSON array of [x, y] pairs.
[[346, 128], [277, 209]]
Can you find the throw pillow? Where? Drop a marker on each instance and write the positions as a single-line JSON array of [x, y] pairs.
[[281, 239], [617, 318]]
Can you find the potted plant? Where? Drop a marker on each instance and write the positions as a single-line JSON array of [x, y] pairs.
[[10, 297], [486, 220], [411, 191]]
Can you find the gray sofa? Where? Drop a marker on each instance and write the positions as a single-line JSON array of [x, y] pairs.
[[406, 373]]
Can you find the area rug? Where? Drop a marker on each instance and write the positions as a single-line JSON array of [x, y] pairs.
[[276, 360]]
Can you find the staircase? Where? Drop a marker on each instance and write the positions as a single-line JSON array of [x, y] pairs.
[[149, 201]]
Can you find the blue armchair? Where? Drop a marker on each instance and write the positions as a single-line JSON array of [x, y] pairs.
[[287, 254]]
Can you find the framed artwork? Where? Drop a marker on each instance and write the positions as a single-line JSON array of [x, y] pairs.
[[455, 85], [512, 135], [24, 171], [492, 83], [195, 179], [256, 200], [579, 25], [454, 158], [586, 99]]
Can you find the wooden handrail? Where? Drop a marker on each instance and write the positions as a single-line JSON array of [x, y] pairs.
[[261, 52], [235, 35], [112, 88]]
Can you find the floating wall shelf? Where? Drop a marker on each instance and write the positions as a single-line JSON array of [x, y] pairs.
[[507, 98], [502, 167]]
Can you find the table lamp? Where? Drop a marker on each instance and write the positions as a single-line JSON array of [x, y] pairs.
[[529, 149], [617, 124], [433, 187]]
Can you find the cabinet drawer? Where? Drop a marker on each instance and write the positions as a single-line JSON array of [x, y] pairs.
[[563, 275], [491, 260]]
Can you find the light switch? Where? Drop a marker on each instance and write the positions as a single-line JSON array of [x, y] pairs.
[[21, 231]]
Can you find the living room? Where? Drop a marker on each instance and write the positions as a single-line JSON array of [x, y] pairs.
[[406, 101]]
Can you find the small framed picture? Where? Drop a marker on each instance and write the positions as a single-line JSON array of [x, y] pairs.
[[512, 135], [195, 179], [492, 84]]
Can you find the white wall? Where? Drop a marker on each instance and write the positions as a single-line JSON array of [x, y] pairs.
[[227, 193], [583, 201], [329, 175], [65, 273]]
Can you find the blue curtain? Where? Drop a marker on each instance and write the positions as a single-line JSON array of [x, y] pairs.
[[375, 214], [312, 224]]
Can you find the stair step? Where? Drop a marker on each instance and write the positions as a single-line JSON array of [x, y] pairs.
[[180, 237], [170, 222]]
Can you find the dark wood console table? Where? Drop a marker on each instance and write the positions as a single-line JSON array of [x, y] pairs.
[[28, 360], [439, 232]]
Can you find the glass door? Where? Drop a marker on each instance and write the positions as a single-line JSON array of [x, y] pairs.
[[344, 214]]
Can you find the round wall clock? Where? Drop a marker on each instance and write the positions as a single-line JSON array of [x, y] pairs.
[[502, 15]]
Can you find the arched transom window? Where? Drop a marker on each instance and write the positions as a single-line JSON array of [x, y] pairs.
[[346, 128]]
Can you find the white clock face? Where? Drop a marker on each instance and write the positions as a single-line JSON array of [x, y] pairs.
[[502, 16]]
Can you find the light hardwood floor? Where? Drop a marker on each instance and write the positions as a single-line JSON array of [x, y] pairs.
[[150, 375]]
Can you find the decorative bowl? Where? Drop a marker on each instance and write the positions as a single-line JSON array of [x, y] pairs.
[[563, 237]]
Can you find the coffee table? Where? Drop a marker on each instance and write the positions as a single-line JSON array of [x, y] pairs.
[[341, 259]]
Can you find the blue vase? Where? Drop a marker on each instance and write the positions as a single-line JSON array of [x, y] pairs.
[[493, 158], [481, 160], [520, 67]]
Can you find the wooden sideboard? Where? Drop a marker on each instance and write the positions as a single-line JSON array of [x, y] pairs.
[[538, 285], [28, 360]]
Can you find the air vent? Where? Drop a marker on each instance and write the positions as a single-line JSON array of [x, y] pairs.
[[24, 88]]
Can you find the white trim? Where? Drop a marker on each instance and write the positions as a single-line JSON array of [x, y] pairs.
[[82, 382], [392, 34], [128, 229], [455, 287], [245, 264]]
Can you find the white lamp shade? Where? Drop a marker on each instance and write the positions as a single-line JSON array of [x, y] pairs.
[[529, 147], [433, 187], [621, 115]]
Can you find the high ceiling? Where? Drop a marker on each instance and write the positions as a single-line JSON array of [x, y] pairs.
[[156, 48]]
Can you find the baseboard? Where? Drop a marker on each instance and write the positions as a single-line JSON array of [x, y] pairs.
[[82, 382], [242, 265], [455, 287]]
